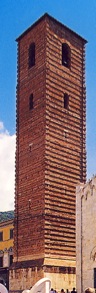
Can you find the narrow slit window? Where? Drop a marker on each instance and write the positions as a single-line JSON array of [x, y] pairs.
[[11, 233], [66, 55], [1, 236], [1, 261], [31, 102], [66, 101], [31, 55], [94, 277], [10, 260]]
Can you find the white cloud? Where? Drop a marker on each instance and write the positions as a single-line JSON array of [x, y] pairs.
[[7, 169]]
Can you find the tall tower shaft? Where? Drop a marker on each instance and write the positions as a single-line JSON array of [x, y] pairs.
[[50, 150]]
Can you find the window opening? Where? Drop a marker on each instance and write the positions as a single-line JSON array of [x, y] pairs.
[[31, 102], [11, 233], [11, 259], [1, 261], [1, 236], [65, 55], [31, 55], [66, 101], [94, 277]]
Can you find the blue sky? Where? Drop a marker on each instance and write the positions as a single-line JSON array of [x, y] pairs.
[[15, 17]]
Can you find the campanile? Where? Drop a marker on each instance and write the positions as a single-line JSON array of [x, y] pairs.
[[50, 152]]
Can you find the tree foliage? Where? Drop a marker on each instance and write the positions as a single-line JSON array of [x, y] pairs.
[[5, 216]]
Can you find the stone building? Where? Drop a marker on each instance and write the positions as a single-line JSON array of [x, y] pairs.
[[6, 250], [86, 235], [50, 152]]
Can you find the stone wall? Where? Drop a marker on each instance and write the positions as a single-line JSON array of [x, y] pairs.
[[85, 234], [60, 278]]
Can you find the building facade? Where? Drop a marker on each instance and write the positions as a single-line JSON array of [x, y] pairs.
[[6, 250], [50, 152], [86, 235]]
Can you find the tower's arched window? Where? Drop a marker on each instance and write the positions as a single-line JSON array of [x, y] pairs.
[[66, 101], [66, 55], [31, 102], [32, 55]]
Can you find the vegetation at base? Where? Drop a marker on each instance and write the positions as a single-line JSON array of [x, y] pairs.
[[5, 216]]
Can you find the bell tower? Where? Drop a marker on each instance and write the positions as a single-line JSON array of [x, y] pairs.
[[50, 152]]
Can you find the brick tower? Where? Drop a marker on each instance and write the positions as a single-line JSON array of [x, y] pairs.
[[50, 152]]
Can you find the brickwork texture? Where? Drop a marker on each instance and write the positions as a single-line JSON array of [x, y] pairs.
[[50, 147]]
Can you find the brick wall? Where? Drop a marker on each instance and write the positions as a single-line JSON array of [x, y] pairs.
[[50, 146], [65, 139], [30, 152]]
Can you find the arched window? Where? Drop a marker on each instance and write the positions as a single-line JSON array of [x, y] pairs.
[[66, 101], [31, 102], [66, 55], [31, 55]]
